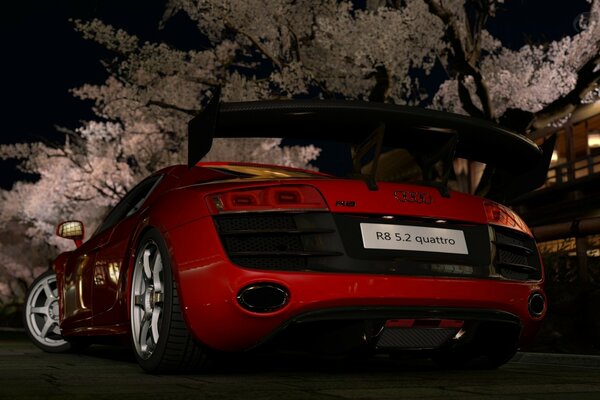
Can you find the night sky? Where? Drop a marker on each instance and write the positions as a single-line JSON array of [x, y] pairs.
[[44, 57]]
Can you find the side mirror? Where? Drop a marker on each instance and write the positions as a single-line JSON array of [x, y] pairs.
[[71, 230]]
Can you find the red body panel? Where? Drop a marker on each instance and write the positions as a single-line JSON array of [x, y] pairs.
[[94, 280]]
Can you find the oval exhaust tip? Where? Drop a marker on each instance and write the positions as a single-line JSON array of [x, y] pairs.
[[263, 297], [537, 304]]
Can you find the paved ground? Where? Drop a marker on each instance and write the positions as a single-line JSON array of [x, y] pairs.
[[105, 372]]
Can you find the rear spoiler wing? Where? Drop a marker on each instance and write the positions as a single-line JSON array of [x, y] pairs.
[[519, 165]]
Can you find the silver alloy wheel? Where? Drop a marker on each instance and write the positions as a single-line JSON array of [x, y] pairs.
[[41, 312], [147, 294]]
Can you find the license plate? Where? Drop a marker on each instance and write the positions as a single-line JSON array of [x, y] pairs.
[[413, 238]]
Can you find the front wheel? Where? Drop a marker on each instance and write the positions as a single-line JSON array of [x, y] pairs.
[[160, 337], [40, 315]]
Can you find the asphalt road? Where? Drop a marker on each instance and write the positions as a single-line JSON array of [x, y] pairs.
[[106, 372]]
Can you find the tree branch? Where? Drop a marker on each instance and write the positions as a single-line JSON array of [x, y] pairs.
[[207, 82], [108, 191], [172, 107], [78, 198], [465, 59], [466, 101], [295, 44], [255, 42], [379, 92], [484, 10]]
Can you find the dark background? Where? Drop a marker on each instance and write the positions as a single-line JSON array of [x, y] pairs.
[[44, 57]]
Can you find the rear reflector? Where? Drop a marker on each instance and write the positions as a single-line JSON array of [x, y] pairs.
[[277, 198]]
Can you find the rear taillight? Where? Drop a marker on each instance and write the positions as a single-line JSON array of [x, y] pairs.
[[498, 214], [280, 198]]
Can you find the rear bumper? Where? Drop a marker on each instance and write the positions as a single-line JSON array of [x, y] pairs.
[[209, 285], [216, 319], [393, 329]]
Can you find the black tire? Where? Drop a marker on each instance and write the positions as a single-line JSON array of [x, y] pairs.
[[154, 309], [40, 315]]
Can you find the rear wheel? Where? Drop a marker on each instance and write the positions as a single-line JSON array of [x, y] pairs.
[[40, 315], [160, 337]]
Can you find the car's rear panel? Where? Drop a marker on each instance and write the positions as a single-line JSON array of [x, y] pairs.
[[342, 269], [334, 241]]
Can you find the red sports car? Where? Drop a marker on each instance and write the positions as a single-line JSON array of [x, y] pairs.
[[226, 257]]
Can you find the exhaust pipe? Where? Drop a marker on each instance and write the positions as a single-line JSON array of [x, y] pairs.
[[263, 297], [537, 305]]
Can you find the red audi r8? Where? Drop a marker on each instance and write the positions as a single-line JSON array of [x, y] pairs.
[[227, 257]]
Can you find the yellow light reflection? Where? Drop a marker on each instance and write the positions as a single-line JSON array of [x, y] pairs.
[[114, 269], [82, 263]]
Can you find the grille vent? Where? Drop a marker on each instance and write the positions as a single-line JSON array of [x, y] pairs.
[[265, 243], [516, 255], [275, 241], [259, 223]]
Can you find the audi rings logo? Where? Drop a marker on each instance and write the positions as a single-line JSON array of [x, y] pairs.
[[404, 196]]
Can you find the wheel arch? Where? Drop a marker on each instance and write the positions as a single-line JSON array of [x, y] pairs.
[[170, 210]]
